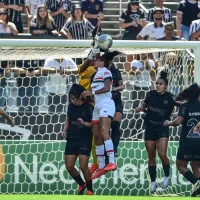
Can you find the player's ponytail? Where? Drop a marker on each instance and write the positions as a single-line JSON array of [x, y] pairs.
[[189, 94], [163, 76]]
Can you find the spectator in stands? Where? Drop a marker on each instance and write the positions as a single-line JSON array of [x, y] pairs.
[[169, 33], [155, 29], [77, 26], [132, 20], [93, 10], [60, 11], [31, 9], [14, 12], [28, 83], [43, 23], [6, 27], [144, 71], [187, 12], [167, 16], [195, 30], [57, 84]]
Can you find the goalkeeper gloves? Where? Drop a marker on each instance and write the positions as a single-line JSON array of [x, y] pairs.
[[94, 51]]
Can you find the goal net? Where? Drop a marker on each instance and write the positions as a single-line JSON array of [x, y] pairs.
[[31, 152]]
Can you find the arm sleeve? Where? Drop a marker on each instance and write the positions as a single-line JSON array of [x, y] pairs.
[[147, 98], [145, 31], [123, 17], [180, 8], [67, 26], [119, 76], [47, 63], [182, 111], [107, 75], [84, 6], [33, 26], [101, 7], [72, 64]]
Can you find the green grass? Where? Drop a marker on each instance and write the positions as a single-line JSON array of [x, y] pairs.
[[85, 197]]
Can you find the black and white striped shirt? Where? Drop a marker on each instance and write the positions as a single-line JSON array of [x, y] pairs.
[[53, 6], [167, 17], [195, 26], [79, 30], [14, 15]]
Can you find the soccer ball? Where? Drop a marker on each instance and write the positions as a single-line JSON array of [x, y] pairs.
[[105, 42]]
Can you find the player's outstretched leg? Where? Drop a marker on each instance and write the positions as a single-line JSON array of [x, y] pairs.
[[182, 167], [70, 161], [161, 146], [99, 150]]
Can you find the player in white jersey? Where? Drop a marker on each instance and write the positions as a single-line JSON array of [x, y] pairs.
[[103, 113]]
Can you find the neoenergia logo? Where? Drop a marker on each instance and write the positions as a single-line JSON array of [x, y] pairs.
[[2, 163]]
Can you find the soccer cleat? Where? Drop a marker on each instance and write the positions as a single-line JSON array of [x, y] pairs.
[[93, 168], [98, 173], [110, 167], [89, 192], [81, 189], [153, 187], [196, 189], [166, 182]]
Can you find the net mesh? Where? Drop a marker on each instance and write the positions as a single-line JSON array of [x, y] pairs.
[[36, 165]]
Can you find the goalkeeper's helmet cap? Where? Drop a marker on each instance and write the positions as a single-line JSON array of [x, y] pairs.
[[76, 6]]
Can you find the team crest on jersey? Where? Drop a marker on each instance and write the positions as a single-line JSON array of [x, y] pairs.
[[165, 102], [106, 73], [96, 7]]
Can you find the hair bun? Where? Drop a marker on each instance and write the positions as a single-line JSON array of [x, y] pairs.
[[163, 74]]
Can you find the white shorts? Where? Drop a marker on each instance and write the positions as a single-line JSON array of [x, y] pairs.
[[104, 109]]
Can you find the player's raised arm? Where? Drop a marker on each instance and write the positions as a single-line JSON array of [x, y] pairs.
[[6, 116]]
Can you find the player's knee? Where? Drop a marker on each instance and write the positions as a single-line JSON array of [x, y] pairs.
[[83, 166], [162, 155], [69, 166]]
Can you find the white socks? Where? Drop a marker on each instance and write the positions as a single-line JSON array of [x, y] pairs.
[[100, 156], [110, 150]]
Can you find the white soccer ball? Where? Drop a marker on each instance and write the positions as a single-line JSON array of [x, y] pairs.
[[105, 41]]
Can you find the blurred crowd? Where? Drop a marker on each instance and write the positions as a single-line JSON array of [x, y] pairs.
[[36, 78]]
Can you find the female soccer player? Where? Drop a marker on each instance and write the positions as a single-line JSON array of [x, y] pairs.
[[159, 104], [118, 86], [103, 114], [189, 150], [78, 133]]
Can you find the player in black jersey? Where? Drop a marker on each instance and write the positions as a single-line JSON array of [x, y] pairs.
[[78, 133], [159, 104], [118, 86], [189, 144]]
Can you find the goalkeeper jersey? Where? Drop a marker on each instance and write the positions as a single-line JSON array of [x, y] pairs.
[[85, 77]]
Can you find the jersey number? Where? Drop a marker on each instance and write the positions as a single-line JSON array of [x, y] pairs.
[[192, 122]]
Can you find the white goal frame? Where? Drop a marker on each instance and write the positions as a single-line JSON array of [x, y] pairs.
[[195, 45]]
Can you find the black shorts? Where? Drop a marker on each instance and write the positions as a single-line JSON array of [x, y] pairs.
[[188, 152], [78, 147], [153, 135], [118, 106]]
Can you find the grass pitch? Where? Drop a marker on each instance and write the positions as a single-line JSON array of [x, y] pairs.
[[85, 197]]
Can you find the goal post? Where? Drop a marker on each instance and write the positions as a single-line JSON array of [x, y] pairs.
[[31, 153]]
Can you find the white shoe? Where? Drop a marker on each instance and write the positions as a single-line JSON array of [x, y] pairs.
[[153, 187], [166, 182], [196, 189]]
